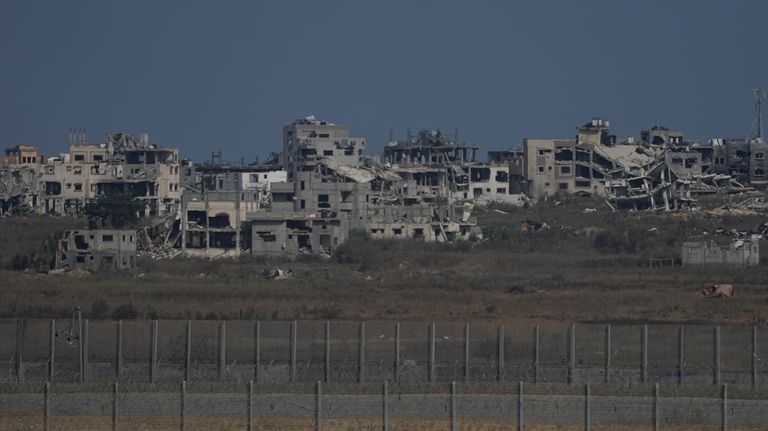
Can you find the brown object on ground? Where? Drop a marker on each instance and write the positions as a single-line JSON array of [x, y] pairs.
[[719, 291]]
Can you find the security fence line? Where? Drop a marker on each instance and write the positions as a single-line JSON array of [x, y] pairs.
[[464, 357], [380, 407]]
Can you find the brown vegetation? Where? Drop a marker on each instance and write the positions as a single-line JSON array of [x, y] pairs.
[[585, 267]]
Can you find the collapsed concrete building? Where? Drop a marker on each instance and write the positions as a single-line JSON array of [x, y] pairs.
[[439, 167], [324, 189], [97, 249], [661, 171]]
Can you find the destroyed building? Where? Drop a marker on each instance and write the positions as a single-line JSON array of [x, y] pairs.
[[330, 193], [743, 252], [308, 140], [437, 166], [662, 171], [64, 184], [96, 250]]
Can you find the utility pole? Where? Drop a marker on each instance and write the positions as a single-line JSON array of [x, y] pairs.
[[757, 126]]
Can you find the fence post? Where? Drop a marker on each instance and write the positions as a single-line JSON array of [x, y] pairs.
[[361, 353], [183, 405], [754, 355], [223, 347], [500, 353], [250, 405], [385, 407], [327, 364], [119, 348], [397, 351], [188, 350], [607, 353], [431, 371], [115, 409], [153, 356], [47, 406], [716, 365], [453, 406], [536, 354], [80, 342], [520, 416], [681, 350], [51, 350], [572, 354], [257, 353], [293, 351], [19, 347], [85, 349], [644, 358], [318, 408], [656, 421], [724, 411], [466, 352], [588, 408]]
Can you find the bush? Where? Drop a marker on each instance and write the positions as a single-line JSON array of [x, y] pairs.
[[19, 262], [99, 309], [125, 312], [622, 241]]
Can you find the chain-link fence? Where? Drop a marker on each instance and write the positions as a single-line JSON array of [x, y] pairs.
[[438, 406], [169, 351]]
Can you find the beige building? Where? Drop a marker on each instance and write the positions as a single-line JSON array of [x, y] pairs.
[[97, 250], [125, 164], [307, 141]]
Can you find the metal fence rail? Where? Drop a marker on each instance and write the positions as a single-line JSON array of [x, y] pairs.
[[376, 351], [385, 406]]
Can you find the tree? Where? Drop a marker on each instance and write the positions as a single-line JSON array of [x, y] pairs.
[[116, 209]]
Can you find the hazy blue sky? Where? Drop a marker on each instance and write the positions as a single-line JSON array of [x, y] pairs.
[[228, 74]]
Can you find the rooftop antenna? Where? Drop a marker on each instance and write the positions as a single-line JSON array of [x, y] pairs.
[[456, 136], [757, 125]]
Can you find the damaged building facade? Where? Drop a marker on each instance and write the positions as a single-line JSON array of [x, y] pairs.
[[97, 249], [63, 184], [660, 171], [743, 252]]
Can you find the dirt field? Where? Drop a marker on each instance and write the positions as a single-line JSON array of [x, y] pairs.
[[587, 267]]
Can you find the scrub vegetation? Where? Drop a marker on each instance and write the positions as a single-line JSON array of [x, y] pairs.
[[586, 266]]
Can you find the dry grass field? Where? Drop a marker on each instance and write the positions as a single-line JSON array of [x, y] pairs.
[[587, 267]]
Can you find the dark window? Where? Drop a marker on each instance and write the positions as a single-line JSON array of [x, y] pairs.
[[79, 157], [327, 152], [107, 238], [98, 157], [563, 186]]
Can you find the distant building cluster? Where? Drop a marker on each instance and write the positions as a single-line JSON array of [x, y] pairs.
[[322, 186]]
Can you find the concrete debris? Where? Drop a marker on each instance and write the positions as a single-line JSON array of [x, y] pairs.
[[718, 291], [277, 274]]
